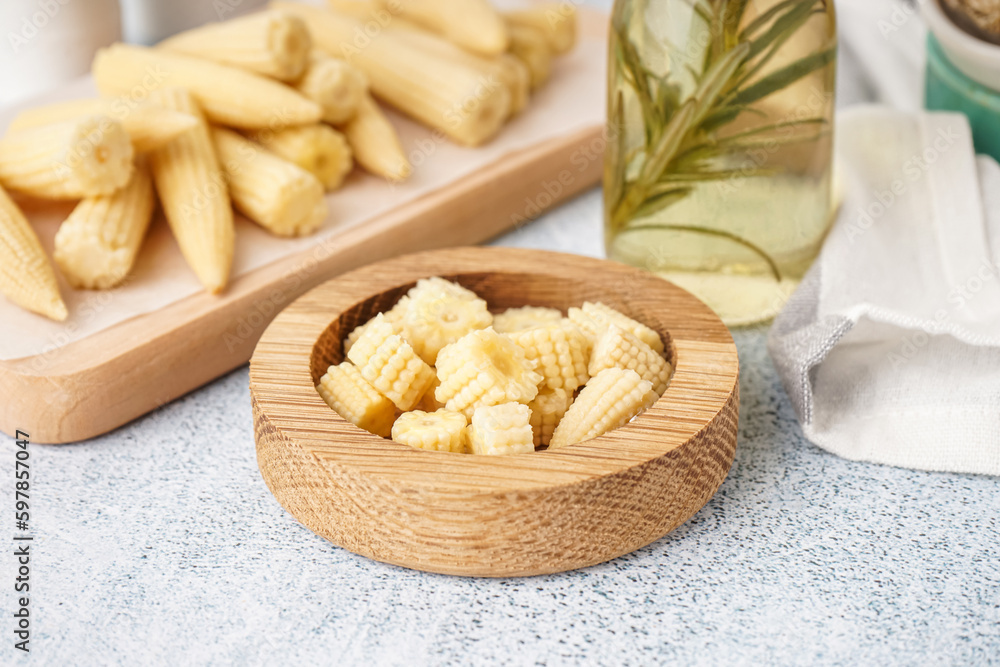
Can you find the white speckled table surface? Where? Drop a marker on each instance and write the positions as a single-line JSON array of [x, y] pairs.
[[160, 544]]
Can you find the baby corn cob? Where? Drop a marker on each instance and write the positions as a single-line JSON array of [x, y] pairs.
[[26, 276], [148, 126], [319, 149], [547, 410], [438, 313], [556, 21], [274, 44], [227, 95], [452, 97], [517, 76], [97, 244], [608, 401], [618, 348], [278, 195], [501, 430], [390, 364], [484, 368], [560, 352], [72, 159], [594, 318], [194, 194], [375, 142], [525, 317], [472, 24], [441, 431], [354, 399], [530, 47], [334, 85], [393, 316]]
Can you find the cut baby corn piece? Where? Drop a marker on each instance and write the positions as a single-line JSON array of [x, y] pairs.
[[440, 431], [276, 194], [530, 47], [354, 399], [317, 148], [547, 410], [501, 430], [503, 68], [594, 317], [393, 316], [618, 348], [274, 44], [194, 194], [438, 313], [556, 21], [375, 142], [472, 24], [428, 402], [227, 95], [560, 352], [26, 276], [148, 126], [390, 364], [525, 317], [609, 400], [449, 96], [484, 368], [334, 85], [72, 159], [97, 244]]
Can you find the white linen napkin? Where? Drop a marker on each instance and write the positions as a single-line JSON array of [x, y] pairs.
[[890, 347]]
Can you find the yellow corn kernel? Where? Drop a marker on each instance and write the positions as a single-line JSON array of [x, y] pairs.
[[438, 313], [227, 95], [484, 368], [530, 47], [547, 410], [26, 276], [278, 195], [274, 44], [428, 402], [319, 149], [390, 364], [334, 85], [525, 317], [608, 400], [148, 126], [594, 318], [375, 142], [561, 352], [194, 195], [393, 316], [501, 430], [450, 96], [97, 244], [556, 21], [440, 431], [72, 159], [618, 348], [354, 399]]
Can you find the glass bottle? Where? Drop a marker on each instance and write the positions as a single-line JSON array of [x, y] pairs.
[[718, 171]]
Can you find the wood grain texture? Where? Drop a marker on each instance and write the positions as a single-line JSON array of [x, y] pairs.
[[495, 516], [93, 385]]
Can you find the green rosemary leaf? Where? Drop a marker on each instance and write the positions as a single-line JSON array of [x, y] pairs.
[[616, 147], [674, 177], [636, 77], [785, 76], [732, 17], [670, 140], [762, 20], [715, 80], [757, 250], [727, 114], [783, 26], [656, 203], [715, 145]]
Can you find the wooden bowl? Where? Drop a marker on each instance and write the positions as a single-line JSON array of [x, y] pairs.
[[527, 514]]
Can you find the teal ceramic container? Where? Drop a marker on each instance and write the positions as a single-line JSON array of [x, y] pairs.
[[947, 89]]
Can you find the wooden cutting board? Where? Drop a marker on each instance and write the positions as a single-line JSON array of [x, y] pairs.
[[100, 382]]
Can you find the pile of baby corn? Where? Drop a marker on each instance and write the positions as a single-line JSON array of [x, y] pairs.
[[438, 371], [263, 114]]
